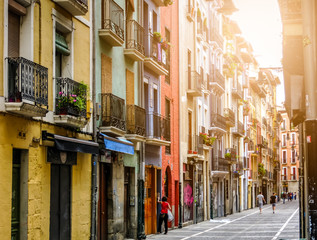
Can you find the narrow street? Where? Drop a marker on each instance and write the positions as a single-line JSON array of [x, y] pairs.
[[250, 224]]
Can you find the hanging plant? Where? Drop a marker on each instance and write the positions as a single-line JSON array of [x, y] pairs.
[[157, 36], [261, 170], [228, 155]]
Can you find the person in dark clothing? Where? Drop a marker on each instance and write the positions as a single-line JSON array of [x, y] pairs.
[[273, 201], [163, 215]]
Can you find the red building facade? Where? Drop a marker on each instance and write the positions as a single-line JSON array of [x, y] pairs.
[[170, 107]]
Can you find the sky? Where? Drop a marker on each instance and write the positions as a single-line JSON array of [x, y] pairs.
[[260, 23]]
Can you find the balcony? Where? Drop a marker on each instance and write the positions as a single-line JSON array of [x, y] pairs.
[[237, 91], [195, 85], [112, 26], [135, 41], [155, 56], [216, 37], [136, 122], [27, 84], [157, 130], [195, 147], [71, 98], [255, 176], [219, 167], [217, 82], [217, 124], [75, 7], [264, 122], [246, 165], [113, 112], [230, 117], [238, 129]]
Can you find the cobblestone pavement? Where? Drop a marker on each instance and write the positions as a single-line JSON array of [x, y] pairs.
[[249, 224]]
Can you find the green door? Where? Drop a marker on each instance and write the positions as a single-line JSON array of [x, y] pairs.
[[15, 211]]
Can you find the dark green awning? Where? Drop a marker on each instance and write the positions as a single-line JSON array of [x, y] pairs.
[[61, 45]]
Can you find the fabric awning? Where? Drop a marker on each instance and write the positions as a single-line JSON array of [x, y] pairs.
[[68, 144], [118, 144]]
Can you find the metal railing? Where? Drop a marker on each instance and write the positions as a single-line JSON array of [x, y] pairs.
[[113, 18], [220, 164], [239, 128], [84, 2], [217, 120], [230, 115], [237, 91], [136, 118], [135, 36], [71, 97], [113, 111], [195, 144], [153, 49], [158, 127], [27, 81], [216, 37], [196, 81], [217, 77]]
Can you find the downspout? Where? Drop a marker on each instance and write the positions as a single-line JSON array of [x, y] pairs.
[[94, 187], [40, 29], [180, 222]]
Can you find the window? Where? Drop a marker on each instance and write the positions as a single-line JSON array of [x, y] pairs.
[[293, 139], [284, 157], [293, 160], [284, 140], [168, 67], [189, 68], [283, 124], [293, 174], [284, 173], [166, 183], [168, 115]]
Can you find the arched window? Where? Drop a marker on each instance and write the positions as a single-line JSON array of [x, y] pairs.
[[166, 183]]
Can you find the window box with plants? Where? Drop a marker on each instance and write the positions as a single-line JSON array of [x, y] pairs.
[[207, 140]]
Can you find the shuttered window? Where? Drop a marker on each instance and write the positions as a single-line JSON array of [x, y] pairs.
[[13, 35], [61, 44]]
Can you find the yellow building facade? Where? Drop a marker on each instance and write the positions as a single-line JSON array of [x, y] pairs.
[[46, 152]]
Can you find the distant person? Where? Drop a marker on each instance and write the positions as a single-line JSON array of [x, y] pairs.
[[260, 199], [291, 196], [273, 200], [163, 214], [288, 196], [284, 196], [295, 195]]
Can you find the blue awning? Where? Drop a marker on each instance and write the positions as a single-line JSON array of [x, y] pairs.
[[118, 144]]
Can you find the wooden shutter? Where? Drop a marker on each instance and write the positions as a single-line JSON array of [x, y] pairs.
[[13, 35]]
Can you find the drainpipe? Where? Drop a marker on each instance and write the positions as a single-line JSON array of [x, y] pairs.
[[94, 161], [40, 29], [180, 222]]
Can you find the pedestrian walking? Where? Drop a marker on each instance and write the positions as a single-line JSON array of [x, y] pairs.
[[291, 196], [284, 196], [295, 195], [273, 201], [261, 199], [163, 215], [288, 196]]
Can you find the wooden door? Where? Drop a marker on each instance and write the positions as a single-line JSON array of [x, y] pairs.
[[103, 203], [15, 209], [60, 226], [149, 200]]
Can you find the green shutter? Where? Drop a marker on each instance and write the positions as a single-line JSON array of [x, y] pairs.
[[61, 45]]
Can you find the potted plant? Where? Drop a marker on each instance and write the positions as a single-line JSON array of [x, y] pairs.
[[228, 155], [72, 103], [157, 36], [261, 170]]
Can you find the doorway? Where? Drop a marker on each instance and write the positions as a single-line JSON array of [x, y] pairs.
[[60, 222], [105, 175]]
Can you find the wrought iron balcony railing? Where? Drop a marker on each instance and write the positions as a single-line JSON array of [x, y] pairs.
[[71, 97], [135, 36], [27, 81], [219, 78], [197, 81], [237, 91], [220, 164], [113, 18], [195, 144], [238, 129], [155, 50], [230, 117], [217, 120], [136, 119], [216, 37], [158, 127], [113, 111]]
